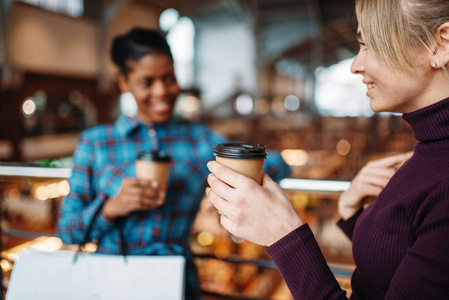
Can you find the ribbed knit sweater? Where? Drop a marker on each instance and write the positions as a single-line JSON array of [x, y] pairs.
[[400, 242]]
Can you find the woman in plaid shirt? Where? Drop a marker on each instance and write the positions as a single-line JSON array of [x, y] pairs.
[[153, 222]]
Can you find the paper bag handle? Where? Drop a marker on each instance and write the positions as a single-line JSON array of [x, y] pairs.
[[118, 223]]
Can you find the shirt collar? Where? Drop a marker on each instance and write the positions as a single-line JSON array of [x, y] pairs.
[[126, 125]]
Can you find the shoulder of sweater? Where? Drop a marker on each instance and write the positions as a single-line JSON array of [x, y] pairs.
[[435, 196], [433, 205]]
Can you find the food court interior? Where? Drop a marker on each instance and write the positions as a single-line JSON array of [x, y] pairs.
[[274, 72]]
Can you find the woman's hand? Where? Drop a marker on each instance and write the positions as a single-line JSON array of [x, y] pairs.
[[135, 194], [369, 182], [261, 214]]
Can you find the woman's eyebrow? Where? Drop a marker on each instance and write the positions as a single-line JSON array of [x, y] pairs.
[[359, 36]]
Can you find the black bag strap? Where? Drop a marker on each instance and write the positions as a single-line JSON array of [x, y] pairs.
[[117, 222], [90, 227]]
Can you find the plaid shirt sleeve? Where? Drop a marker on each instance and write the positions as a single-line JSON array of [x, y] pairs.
[[78, 208]]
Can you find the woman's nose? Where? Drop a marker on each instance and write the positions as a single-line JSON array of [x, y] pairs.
[[357, 66], [159, 88]]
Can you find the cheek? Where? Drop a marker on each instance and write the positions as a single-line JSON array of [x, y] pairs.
[[173, 93], [174, 89], [373, 68], [140, 96]]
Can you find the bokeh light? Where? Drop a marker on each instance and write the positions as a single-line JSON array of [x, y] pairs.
[[205, 238], [168, 18], [295, 157], [292, 103], [244, 104], [343, 147], [261, 107], [28, 107]]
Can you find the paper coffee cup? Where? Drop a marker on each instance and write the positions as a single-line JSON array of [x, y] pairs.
[[242, 158], [154, 166]]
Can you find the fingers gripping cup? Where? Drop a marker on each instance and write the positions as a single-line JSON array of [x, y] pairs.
[[242, 158], [154, 166]]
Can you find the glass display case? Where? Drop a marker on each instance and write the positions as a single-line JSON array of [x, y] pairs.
[[229, 268]]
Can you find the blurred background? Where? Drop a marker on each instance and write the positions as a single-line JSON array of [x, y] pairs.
[[260, 71]]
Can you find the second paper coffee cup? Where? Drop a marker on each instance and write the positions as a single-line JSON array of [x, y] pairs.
[[154, 166], [242, 158]]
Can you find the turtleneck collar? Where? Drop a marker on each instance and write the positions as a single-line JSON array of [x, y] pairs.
[[430, 123]]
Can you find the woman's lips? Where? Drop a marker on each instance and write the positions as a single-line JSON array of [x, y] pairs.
[[370, 87], [161, 107]]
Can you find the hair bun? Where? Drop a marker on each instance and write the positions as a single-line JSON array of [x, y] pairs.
[[137, 43]]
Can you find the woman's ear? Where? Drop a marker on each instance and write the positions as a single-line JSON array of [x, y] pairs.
[[442, 39], [122, 83]]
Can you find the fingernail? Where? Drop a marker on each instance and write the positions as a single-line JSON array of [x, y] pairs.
[[154, 184]]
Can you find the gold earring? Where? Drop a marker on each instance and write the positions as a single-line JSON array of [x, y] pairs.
[[433, 64]]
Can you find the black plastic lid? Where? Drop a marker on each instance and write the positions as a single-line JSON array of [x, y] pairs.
[[242, 151], [154, 156]]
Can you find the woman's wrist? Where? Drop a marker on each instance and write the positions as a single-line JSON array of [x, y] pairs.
[[347, 212], [348, 204], [288, 226], [109, 210]]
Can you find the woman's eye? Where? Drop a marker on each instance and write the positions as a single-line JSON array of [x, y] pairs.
[[169, 79], [146, 82], [364, 45]]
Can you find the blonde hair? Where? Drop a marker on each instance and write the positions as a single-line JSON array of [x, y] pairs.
[[394, 29]]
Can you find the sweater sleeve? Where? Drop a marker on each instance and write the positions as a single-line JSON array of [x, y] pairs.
[[348, 225], [303, 267]]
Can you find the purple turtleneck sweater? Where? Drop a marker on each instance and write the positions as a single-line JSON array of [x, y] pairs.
[[400, 242]]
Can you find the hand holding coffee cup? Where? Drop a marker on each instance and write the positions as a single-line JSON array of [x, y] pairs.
[[245, 206], [146, 192], [134, 195]]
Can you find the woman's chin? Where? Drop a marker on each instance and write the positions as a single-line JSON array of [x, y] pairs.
[[375, 107], [161, 118]]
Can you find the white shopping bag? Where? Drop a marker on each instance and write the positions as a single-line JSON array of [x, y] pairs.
[[55, 276]]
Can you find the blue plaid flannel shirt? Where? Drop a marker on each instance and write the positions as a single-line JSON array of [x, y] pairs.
[[106, 154]]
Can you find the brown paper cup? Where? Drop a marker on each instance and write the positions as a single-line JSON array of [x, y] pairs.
[[154, 166], [150, 170], [242, 158], [252, 168]]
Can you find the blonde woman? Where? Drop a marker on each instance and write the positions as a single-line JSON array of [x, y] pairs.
[[401, 241]]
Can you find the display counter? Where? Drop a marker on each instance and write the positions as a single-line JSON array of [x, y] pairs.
[[229, 268]]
